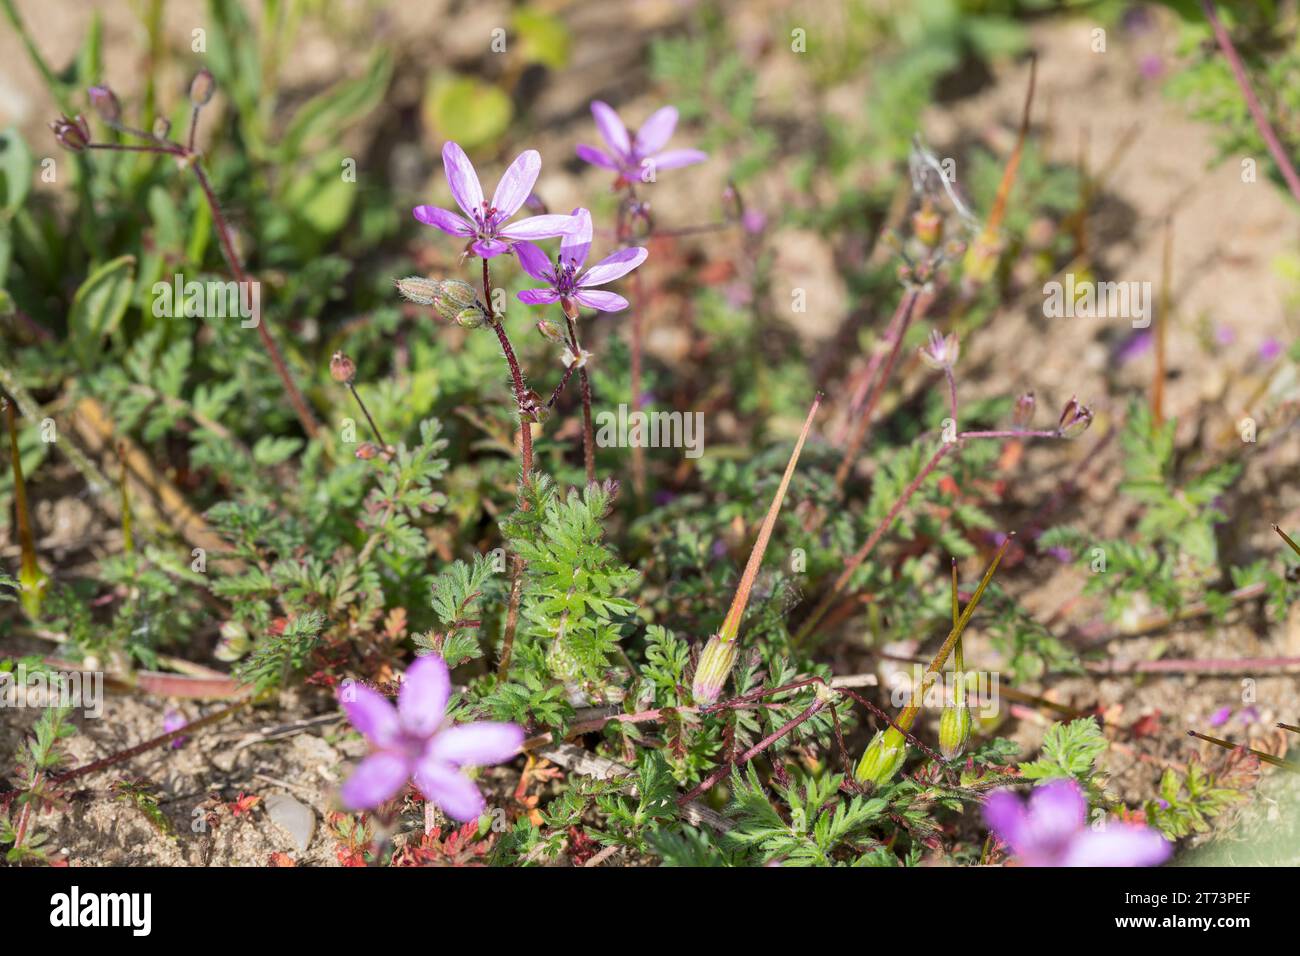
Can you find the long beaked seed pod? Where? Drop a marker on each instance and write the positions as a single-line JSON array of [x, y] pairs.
[[721, 651]]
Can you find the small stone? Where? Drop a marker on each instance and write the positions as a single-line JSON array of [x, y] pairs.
[[292, 816]]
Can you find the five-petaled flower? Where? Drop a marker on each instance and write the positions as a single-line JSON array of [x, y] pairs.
[[1052, 831], [414, 741], [637, 158], [487, 223], [564, 278]]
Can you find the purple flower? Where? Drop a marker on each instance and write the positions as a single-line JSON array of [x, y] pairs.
[[634, 158], [413, 741], [486, 222], [174, 720], [1270, 349], [1220, 716], [565, 279], [1052, 831]]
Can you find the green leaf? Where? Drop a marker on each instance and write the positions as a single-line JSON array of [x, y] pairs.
[[99, 305], [469, 111], [16, 170], [543, 38], [337, 108]]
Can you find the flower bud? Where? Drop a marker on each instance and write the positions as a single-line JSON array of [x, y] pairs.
[[105, 103], [234, 643], [162, 127], [418, 289], [550, 330], [471, 318], [454, 297], [882, 759], [927, 226], [342, 369], [72, 134], [954, 731], [1023, 413], [202, 87], [711, 672], [981, 259], [1075, 419], [367, 450], [941, 351]]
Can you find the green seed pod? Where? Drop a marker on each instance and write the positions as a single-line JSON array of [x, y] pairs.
[[882, 759], [711, 673], [954, 731]]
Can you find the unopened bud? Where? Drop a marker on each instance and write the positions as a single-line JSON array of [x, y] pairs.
[[550, 330], [1075, 419], [1023, 413], [202, 87], [342, 369], [927, 226], [941, 351], [954, 731], [453, 298], [162, 127], [105, 103], [234, 642], [72, 134], [711, 673], [882, 759], [367, 450], [418, 289], [470, 318]]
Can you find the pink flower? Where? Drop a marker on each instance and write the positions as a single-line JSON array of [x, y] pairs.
[[1052, 831], [565, 278], [414, 742], [487, 222], [633, 158]]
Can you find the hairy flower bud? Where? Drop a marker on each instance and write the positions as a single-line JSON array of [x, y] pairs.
[[105, 103], [367, 450], [882, 759], [1023, 413], [72, 134], [927, 226], [342, 369], [941, 351], [202, 87], [550, 330], [234, 642], [954, 731], [471, 318], [711, 673], [1075, 419]]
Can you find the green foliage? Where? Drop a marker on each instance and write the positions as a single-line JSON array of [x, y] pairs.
[[1070, 751], [1187, 802]]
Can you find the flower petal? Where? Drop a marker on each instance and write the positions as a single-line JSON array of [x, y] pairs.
[[597, 157], [611, 128], [602, 301], [450, 790], [534, 261], [655, 132], [370, 712], [422, 701], [1119, 844], [442, 219], [1057, 811], [516, 183], [1004, 812], [539, 227], [377, 778], [613, 266], [674, 158], [575, 246], [477, 744], [462, 179], [490, 248], [538, 296]]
